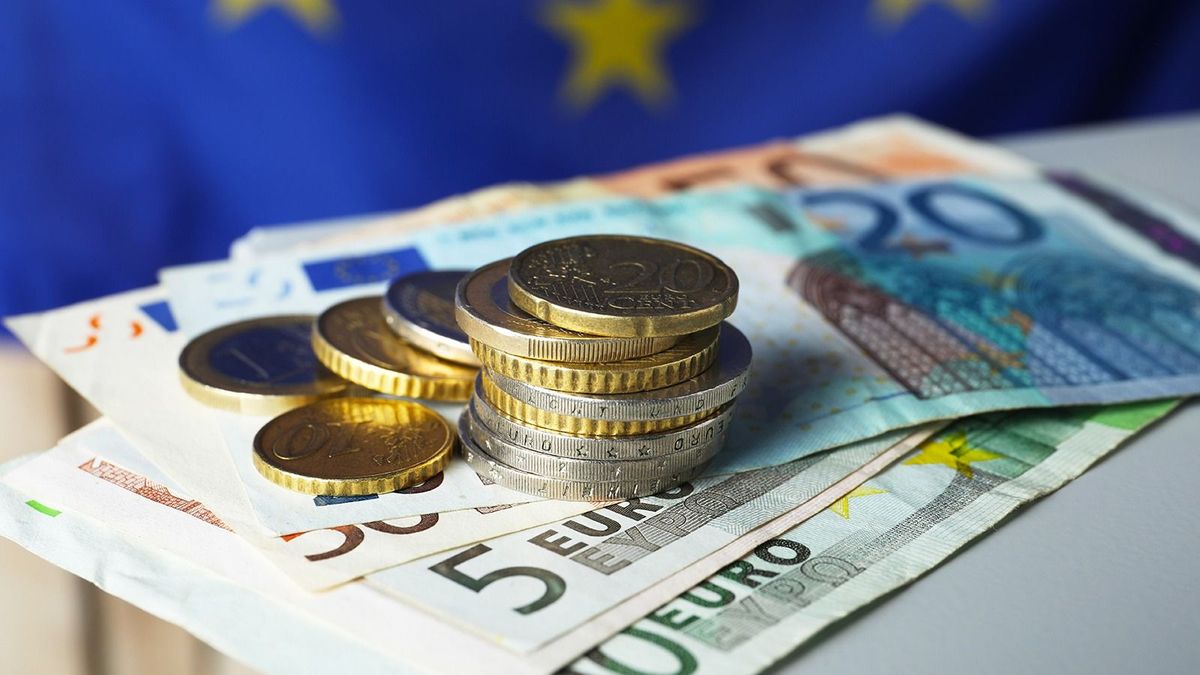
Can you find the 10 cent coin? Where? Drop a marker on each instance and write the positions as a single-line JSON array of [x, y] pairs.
[[353, 446]]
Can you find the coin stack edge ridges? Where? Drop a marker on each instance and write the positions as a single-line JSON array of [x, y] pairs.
[[572, 430]]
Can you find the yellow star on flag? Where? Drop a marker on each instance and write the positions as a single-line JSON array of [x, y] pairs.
[[617, 43], [317, 15], [842, 506], [898, 11], [954, 452]]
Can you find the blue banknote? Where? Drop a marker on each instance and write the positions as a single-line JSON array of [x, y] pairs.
[[869, 309]]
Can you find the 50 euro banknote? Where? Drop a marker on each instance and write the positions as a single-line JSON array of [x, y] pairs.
[[99, 465]]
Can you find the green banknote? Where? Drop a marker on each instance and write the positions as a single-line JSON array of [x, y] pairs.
[[882, 535]]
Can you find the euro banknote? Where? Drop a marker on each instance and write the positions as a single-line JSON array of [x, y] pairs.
[[827, 371], [979, 294], [215, 585], [303, 280], [98, 465], [492, 200], [883, 535], [915, 515], [121, 352], [158, 555], [603, 569]]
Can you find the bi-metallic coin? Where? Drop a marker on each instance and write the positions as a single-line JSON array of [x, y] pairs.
[[354, 446], [485, 312], [623, 286], [419, 307], [692, 355], [352, 340], [259, 367]]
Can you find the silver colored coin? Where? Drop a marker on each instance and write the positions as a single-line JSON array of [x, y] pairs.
[[557, 488], [591, 470], [419, 308], [620, 448], [713, 388], [484, 311]]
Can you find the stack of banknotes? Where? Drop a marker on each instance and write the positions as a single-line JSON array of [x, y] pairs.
[[941, 332]]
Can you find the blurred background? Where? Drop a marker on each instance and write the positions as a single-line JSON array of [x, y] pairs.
[[141, 133]]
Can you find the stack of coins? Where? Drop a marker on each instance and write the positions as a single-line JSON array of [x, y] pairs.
[[608, 369], [336, 434]]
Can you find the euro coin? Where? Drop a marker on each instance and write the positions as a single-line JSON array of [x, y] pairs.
[[352, 340], [485, 313], [556, 488], [692, 355], [575, 446], [572, 424], [258, 367], [419, 308], [594, 470], [622, 286], [641, 412], [354, 446]]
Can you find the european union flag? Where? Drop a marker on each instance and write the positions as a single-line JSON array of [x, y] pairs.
[[141, 133]]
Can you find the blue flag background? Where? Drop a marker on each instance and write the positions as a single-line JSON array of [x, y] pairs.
[[142, 133]]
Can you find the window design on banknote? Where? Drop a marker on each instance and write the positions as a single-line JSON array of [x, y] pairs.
[[956, 287]]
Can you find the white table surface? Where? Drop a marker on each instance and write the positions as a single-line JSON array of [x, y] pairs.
[[1102, 576]]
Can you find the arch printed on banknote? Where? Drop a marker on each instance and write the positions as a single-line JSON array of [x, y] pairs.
[[1025, 289]]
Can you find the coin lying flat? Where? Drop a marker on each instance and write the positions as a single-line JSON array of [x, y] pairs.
[[353, 446], [692, 355], [622, 286], [640, 412], [581, 469], [556, 488], [576, 446], [259, 367], [419, 308], [485, 312], [352, 340]]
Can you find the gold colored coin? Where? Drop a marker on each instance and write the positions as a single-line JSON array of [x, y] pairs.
[[485, 312], [556, 421], [354, 446], [258, 367], [352, 340], [623, 286], [689, 357]]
